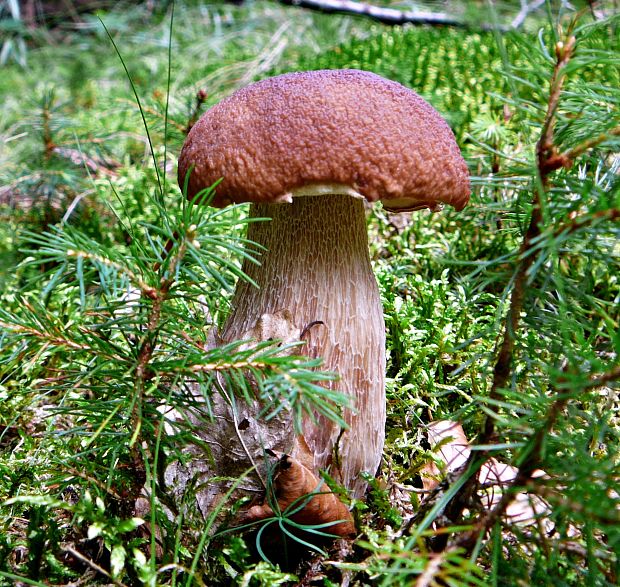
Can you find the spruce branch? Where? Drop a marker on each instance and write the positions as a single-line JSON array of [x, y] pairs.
[[60, 245], [267, 371], [537, 486], [584, 220], [531, 456], [548, 159], [545, 153], [229, 366], [147, 290], [567, 157], [150, 338], [36, 324], [48, 338]]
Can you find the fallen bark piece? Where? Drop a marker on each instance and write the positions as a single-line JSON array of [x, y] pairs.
[[299, 490], [383, 14]]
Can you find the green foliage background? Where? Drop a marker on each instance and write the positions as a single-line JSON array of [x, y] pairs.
[[80, 431]]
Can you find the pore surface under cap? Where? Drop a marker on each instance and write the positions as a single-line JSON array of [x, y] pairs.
[[348, 128]]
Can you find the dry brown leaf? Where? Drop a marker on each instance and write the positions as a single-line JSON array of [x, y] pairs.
[[494, 477], [451, 450], [295, 484]]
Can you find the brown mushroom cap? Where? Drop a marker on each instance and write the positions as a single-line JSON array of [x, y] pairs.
[[330, 131]]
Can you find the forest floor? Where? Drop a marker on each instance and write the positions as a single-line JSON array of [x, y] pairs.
[[501, 458]]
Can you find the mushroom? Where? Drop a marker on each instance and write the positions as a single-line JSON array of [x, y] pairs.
[[306, 149]]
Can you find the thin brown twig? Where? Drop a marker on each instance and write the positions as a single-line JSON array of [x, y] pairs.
[[578, 222], [526, 9], [602, 379], [83, 580], [80, 159], [157, 114], [92, 564], [433, 568], [103, 486]]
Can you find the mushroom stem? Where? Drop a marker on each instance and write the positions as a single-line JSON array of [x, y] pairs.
[[316, 266]]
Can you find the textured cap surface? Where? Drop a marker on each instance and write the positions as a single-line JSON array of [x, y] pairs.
[[339, 131]]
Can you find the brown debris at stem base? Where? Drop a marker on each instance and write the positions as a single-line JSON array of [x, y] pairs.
[[298, 488]]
